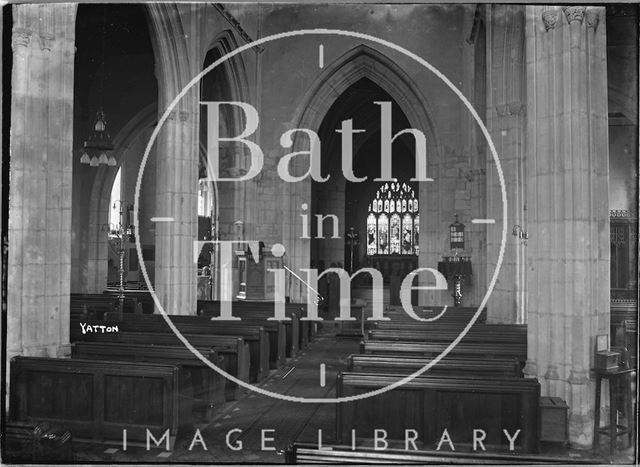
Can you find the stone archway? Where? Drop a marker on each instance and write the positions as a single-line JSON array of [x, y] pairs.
[[360, 62]]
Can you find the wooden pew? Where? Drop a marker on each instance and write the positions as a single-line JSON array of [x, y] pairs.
[[460, 315], [142, 297], [96, 305], [489, 350], [255, 336], [364, 363], [233, 350], [307, 453], [429, 404], [443, 327], [98, 399], [262, 310], [275, 330], [202, 383], [428, 335]]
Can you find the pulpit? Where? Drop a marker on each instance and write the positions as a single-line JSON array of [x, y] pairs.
[[456, 269]]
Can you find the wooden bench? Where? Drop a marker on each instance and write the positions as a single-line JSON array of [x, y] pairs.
[[443, 327], [452, 314], [233, 350], [488, 350], [307, 453], [448, 366], [263, 310], [95, 305], [432, 403], [142, 297], [203, 384], [97, 400], [253, 332], [255, 336], [429, 335]]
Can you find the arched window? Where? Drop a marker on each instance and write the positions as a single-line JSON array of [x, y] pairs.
[[393, 222]]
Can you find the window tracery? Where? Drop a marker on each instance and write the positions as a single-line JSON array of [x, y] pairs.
[[393, 221]]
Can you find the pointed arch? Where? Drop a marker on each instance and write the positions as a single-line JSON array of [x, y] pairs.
[[359, 62], [101, 195], [365, 62], [226, 42]]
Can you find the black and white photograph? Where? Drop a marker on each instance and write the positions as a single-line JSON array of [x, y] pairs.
[[319, 232]]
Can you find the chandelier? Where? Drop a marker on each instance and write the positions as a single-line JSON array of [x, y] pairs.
[[97, 149]]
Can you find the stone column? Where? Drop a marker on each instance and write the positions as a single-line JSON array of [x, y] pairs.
[[39, 264], [175, 40], [567, 191], [506, 123]]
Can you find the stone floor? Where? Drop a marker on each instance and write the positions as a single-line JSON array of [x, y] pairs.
[[242, 421]]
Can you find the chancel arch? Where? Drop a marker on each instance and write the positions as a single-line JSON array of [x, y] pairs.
[[361, 62]]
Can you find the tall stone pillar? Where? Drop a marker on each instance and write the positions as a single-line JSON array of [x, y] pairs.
[[176, 151], [506, 111], [567, 192], [39, 258]]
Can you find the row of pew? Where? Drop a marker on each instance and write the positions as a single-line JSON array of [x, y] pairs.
[[130, 371], [479, 384]]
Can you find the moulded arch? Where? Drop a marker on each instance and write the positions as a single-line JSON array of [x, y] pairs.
[[360, 62], [235, 67], [101, 194], [365, 62]]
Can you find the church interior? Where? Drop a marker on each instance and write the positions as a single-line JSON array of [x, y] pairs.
[[320, 233]]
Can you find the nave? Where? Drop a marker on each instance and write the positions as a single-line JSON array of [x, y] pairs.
[[478, 386], [85, 369]]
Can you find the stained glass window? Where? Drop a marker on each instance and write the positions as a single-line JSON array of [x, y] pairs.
[[372, 234], [407, 234], [416, 233], [395, 234], [383, 234], [393, 221]]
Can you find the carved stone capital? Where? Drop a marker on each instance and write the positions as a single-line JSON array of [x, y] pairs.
[[510, 108], [550, 19], [593, 18], [574, 13], [579, 377], [21, 37], [552, 372], [46, 41], [531, 368], [516, 108]]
